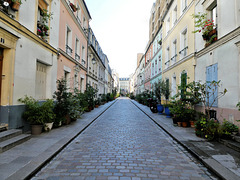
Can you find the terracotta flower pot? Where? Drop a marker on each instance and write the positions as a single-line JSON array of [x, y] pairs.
[[184, 124]]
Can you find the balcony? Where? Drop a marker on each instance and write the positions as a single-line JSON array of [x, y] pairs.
[[83, 62], [167, 64], [77, 57], [174, 59], [183, 52], [68, 50]]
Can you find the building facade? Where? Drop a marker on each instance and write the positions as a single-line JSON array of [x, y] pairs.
[[73, 43], [124, 86], [28, 60], [220, 60]]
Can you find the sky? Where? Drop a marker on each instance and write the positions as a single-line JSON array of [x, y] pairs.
[[122, 30]]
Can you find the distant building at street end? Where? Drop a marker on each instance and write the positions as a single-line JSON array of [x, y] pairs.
[[124, 86]]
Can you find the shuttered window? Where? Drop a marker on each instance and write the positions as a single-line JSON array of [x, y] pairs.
[[40, 86], [183, 85], [212, 75]]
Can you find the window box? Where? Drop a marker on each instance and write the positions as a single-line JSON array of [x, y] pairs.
[[74, 8]]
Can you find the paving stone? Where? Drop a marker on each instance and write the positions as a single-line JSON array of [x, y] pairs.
[[124, 144]]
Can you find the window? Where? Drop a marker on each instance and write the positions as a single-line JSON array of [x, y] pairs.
[[67, 78], [84, 23], [77, 46], [167, 85], [174, 86], [168, 26], [184, 46], [184, 5], [167, 58], [79, 14], [183, 84], [156, 66], [174, 51], [68, 41], [159, 63], [76, 80], [83, 55], [174, 16], [214, 15], [41, 77], [212, 91]]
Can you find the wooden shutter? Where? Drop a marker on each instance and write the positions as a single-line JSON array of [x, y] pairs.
[[41, 74]]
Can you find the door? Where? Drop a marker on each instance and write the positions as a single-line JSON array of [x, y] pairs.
[[1, 64], [41, 74]]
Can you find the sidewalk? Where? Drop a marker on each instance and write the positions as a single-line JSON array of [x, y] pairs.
[[23, 160], [222, 160]]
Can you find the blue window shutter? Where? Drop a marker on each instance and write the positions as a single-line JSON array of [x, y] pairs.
[[215, 78], [208, 82], [212, 75]]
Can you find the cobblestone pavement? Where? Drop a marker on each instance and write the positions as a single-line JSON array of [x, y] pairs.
[[123, 144]]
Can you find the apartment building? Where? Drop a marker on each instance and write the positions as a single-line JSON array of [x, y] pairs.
[[220, 60], [73, 43], [28, 56], [178, 43]]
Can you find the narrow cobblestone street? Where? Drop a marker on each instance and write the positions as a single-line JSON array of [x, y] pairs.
[[123, 144]]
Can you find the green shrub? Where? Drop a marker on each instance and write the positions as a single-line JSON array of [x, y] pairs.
[[208, 129], [227, 129], [38, 112]]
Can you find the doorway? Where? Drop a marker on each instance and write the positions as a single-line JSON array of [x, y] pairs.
[[1, 64]]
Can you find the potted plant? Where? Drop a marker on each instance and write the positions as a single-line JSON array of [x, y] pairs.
[[47, 114], [63, 103], [158, 93], [166, 93], [75, 107], [206, 26], [15, 4], [90, 94], [37, 113], [97, 102]]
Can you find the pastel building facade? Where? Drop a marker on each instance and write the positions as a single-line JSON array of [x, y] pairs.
[[156, 63], [73, 43], [220, 60], [28, 61], [178, 43]]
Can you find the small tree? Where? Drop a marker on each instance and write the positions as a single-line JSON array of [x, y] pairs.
[[63, 104], [166, 90], [158, 90], [205, 93]]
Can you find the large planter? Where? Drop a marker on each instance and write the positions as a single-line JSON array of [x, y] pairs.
[[160, 108], [167, 112], [48, 126], [175, 120], [36, 129]]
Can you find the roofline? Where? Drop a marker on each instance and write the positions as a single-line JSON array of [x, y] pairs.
[[87, 9]]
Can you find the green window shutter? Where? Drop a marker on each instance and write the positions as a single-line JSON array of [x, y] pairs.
[[183, 85]]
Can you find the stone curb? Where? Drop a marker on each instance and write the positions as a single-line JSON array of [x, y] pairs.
[[216, 167], [28, 170]]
